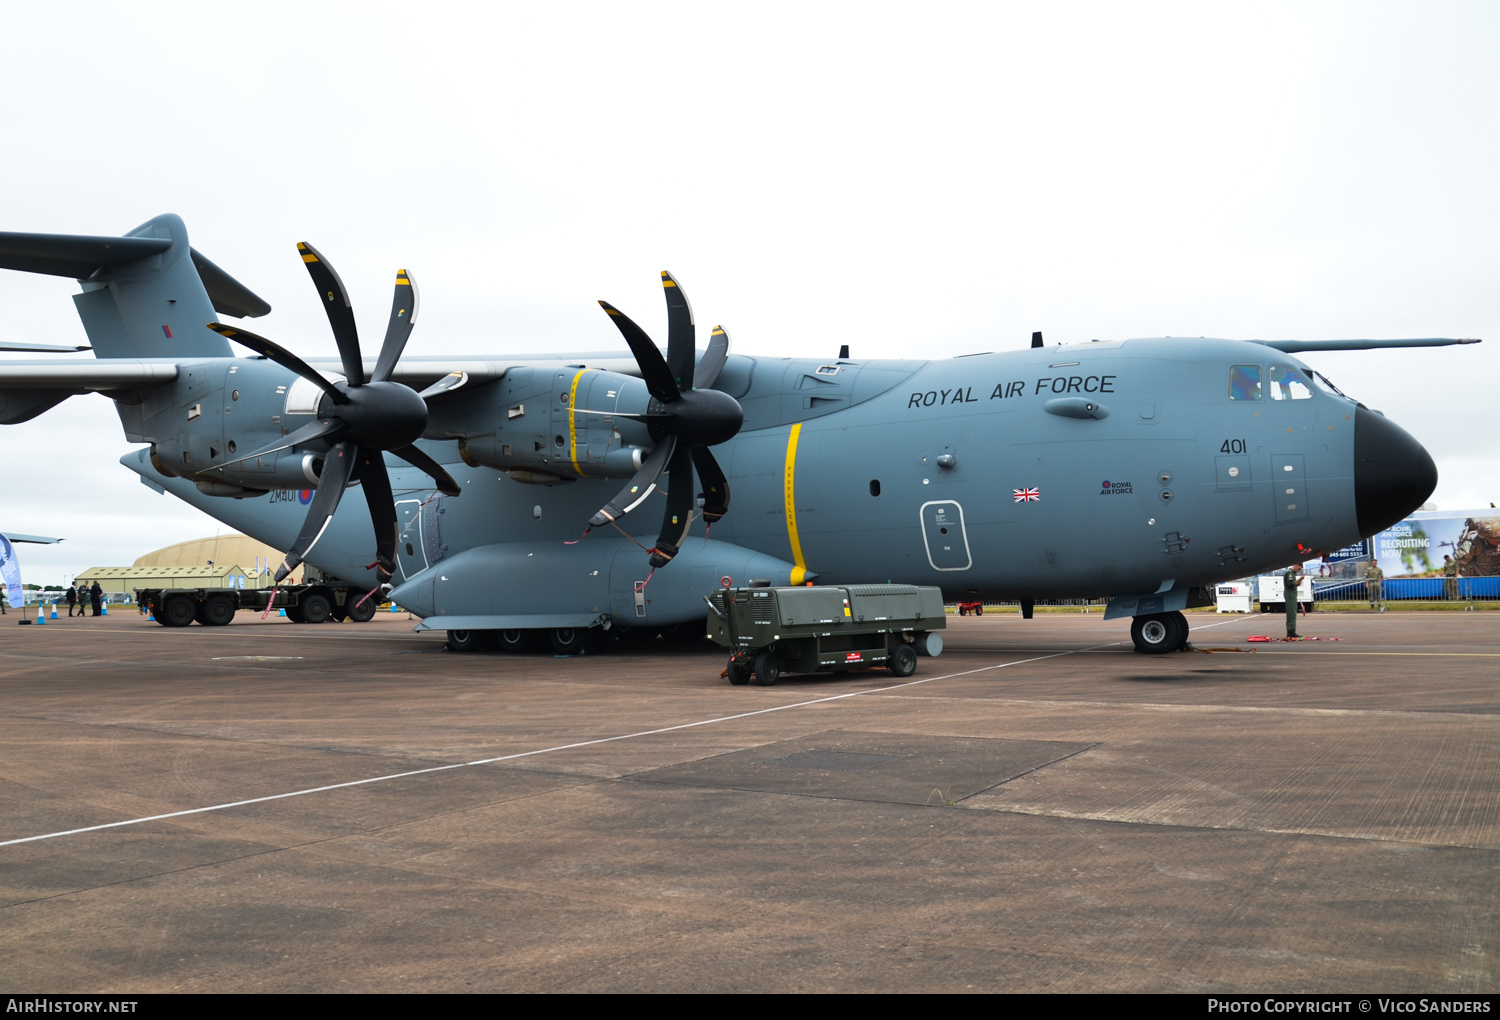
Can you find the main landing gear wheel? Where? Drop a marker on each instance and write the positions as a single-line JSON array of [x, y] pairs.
[[767, 669], [739, 671], [516, 640], [470, 640], [1159, 633], [570, 640]]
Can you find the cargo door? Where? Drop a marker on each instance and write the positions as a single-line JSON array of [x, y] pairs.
[[411, 555], [943, 534]]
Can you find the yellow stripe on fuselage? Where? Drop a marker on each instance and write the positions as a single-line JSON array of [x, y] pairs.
[[799, 573], [572, 425]]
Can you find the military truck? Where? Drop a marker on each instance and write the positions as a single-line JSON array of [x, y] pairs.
[[215, 607], [832, 629]]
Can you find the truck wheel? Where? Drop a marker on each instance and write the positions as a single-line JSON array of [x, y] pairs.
[[217, 612], [471, 640], [294, 613], [767, 669], [903, 661], [570, 640], [315, 608], [178, 611], [360, 612], [739, 671], [516, 640]]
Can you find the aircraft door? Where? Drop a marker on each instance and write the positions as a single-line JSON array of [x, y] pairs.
[[411, 553], [943, 534], [1289, 486]]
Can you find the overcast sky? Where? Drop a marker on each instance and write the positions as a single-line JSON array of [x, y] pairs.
[[913, 180]]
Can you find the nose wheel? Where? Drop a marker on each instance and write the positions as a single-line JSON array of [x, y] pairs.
[[1159, 633]]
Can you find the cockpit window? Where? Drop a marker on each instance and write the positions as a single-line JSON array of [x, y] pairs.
[[1288, 384], [1244, 382], [1327, 384]]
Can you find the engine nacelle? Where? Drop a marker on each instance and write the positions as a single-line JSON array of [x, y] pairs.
[[555, 425]]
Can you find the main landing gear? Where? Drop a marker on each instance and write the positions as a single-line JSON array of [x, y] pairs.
[[1159, 633]]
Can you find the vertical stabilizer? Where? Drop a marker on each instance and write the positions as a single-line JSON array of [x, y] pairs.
[[151, 307]]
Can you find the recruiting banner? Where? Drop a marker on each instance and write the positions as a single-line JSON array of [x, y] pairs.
[[10, 574], [1416, 546]]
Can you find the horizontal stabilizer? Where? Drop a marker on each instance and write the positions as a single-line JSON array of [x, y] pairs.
[[1299, 346], [38, 539], [43, 348], [75, 255], [80, 256]]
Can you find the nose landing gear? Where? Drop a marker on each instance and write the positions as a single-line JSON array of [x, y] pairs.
[[1159, 633]]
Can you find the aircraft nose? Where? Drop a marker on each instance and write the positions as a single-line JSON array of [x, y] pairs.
[[1393, 474]]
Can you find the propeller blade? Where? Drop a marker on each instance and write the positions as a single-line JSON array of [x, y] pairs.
[[376, 481], [403, 318], [307, 433], [447, 384], [283, 357], [639, 487], [678, 516], [338, 466], [416, 458], [340, 312], [712, 363], [715, 487], [682, 336], [653, 367]]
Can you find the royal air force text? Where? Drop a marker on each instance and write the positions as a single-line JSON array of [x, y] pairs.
[[1058, 385]]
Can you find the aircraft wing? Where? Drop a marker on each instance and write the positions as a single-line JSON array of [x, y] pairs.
[[102, 376], [27, 388], [418, 372], [1299, 346], [37, 539]]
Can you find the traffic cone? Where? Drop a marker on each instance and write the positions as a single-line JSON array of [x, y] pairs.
[[281, 613], [54, 610], [104, 609], [41, 617]]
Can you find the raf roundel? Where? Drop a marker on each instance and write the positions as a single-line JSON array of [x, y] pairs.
[[305, 496]]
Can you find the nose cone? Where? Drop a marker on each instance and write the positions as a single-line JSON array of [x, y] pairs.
[[1393, 474]]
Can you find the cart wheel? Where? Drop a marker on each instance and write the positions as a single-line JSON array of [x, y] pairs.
[[739, 672], [767, 669], [903, 661]]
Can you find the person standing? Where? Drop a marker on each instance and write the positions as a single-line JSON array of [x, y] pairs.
[[96, 596], [1373, 578], [72, 596], [1289, 582], [1450, 579]]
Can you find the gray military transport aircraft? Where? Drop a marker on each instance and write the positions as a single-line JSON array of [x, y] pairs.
[[504, 493]]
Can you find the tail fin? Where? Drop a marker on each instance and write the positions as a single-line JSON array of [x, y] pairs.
[[145, 295]]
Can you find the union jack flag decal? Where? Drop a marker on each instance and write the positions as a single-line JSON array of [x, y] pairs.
[[1027, 495]]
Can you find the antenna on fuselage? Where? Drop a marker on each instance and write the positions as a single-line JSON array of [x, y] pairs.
[[843, 352], [1036, 339]]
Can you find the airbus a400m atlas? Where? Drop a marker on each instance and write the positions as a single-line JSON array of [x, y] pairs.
[[1140, 470]]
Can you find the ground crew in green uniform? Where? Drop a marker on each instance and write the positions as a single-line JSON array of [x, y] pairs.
[[1289, 581], [1450, 579], [1373, 576]]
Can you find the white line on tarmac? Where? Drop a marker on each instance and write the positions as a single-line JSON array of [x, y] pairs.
[[544, 750]]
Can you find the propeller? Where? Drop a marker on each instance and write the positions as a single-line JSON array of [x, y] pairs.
[[364, 418], [684, 417]]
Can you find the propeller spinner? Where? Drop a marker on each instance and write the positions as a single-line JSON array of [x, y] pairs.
[[684, 418], [364, 418]]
